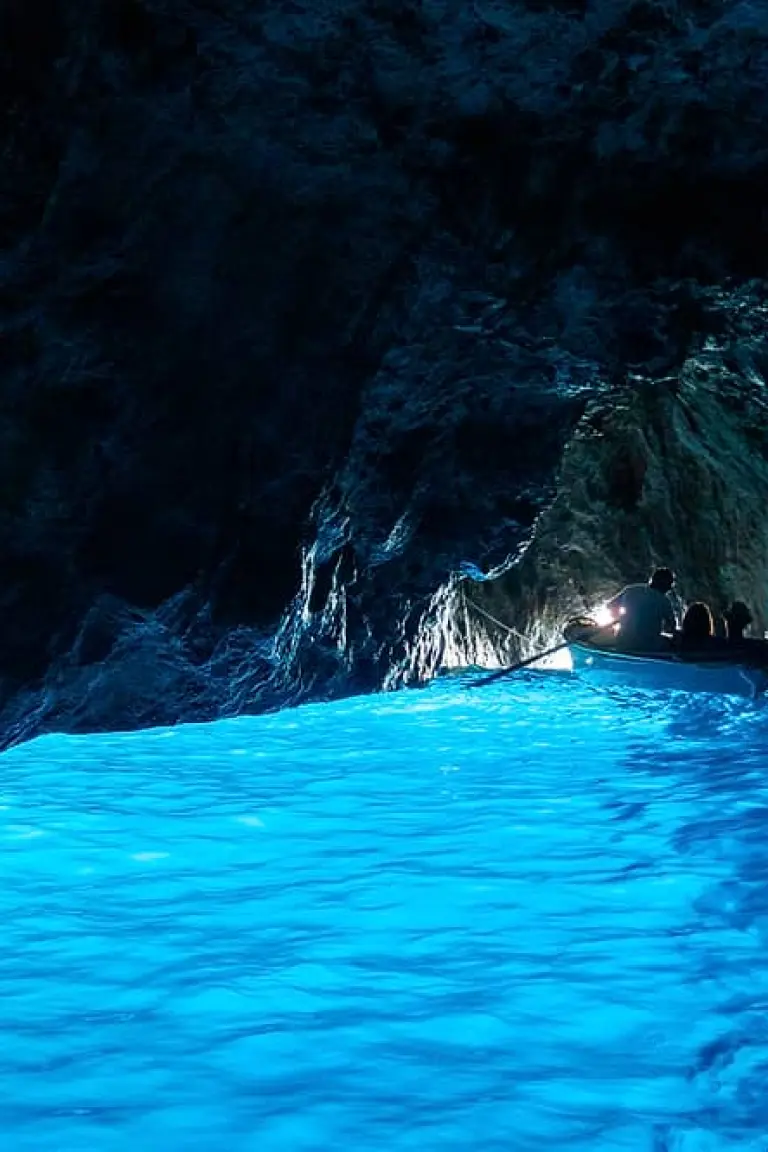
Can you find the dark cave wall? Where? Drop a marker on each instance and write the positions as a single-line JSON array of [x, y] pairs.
[[364, 260]]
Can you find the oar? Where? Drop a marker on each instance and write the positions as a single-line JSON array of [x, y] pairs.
[[532, 659]]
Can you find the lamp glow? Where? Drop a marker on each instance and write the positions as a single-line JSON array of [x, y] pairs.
[[603, 615]]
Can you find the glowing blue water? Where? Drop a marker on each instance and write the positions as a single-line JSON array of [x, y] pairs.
[[527, 917]]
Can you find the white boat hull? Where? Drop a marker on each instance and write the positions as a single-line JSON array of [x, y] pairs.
[[667, 673]]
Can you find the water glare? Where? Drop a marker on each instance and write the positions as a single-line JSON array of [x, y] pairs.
[[528, 917]]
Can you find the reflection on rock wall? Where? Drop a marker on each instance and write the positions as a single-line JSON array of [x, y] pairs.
[[669, 472], [301, 303]]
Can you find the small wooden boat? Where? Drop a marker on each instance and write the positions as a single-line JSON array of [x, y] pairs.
[[604, 664]]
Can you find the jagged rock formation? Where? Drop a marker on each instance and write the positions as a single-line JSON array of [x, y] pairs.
[[670, 470], [301, 303]]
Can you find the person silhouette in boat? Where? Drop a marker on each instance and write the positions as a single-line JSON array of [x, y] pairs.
[[697, 639], [737, 618], [645, 614], [697, 634]]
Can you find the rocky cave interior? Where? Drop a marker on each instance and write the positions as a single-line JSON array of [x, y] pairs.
[[329, 328]]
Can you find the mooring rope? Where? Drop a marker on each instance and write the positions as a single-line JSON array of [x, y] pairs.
[[498, 623]]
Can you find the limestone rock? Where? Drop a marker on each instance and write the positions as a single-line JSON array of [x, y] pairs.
[[301, 303]]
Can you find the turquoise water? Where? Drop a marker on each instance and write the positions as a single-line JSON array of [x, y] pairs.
[[528, 917]]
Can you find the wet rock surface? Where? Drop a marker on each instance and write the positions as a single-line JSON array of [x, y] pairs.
[[673, 469], [303, 308]]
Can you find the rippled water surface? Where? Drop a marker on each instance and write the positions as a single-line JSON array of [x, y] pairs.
[[531, 916]]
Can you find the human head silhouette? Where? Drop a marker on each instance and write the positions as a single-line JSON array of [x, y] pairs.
[[737, 618], [662, 579]]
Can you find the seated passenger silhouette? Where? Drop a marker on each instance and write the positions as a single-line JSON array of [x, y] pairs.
[[645, 613], [697, 636], [737, 618], [698, 627]]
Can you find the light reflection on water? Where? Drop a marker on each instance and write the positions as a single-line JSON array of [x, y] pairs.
[[530, 916]]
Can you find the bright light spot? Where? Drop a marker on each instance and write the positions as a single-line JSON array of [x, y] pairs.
[[147, 857], [603, 615]]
